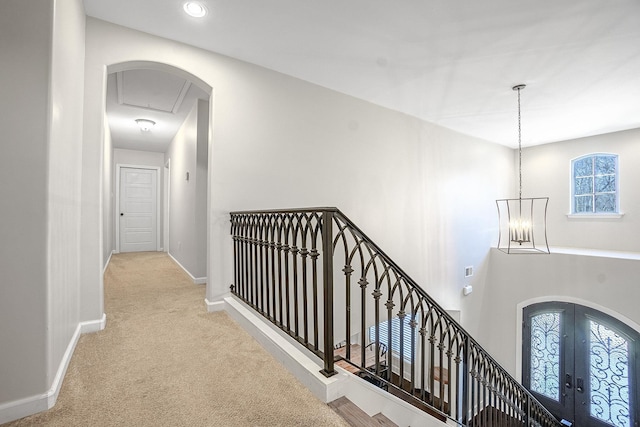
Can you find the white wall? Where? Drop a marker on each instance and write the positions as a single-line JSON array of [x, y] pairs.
[[607, 284], [25, 49], [592, 272], [547, 172], [202, 189], [138, 158], [425, 194], [187, 225], [65, 159], [108, 197], [42, 50]]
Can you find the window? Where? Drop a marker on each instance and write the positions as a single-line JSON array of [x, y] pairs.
[[395, 335], [595, 184]]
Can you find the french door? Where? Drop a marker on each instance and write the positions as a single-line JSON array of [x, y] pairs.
[[581, 364]]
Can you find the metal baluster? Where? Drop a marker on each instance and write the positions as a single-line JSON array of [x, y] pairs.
[[305, 298], [286, 249], [272, 270], [280, 295], [260, 273], [245, 261], [314, 275], [294, 272]]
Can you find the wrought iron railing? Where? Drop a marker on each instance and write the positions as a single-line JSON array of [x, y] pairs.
[[284, 269]]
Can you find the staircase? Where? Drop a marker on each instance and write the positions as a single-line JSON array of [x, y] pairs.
[[367, 313], [356, 417]]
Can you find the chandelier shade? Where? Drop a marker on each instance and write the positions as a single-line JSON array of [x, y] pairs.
[[522, 222], [523, 225]]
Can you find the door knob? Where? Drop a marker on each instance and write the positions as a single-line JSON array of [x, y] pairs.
[[580, 385], [121, 214]]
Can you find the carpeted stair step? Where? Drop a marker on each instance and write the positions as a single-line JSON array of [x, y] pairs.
[[356, 417]]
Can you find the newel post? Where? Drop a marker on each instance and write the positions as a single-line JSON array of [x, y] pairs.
[[327, 284]]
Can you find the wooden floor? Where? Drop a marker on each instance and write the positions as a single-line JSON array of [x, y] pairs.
[[356, 417]]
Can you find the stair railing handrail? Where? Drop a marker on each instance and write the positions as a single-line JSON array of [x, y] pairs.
[[329, 215]]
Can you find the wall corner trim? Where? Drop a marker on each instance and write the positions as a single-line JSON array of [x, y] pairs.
[[14, 410]]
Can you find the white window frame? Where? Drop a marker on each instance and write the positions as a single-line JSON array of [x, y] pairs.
[[573, 213]]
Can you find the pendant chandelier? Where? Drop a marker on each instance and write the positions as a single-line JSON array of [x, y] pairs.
[[522, 221]]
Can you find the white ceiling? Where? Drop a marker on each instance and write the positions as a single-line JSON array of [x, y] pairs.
[[148, 94], [448, 62]]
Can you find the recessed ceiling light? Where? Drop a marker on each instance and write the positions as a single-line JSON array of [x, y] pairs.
[[195, 9]]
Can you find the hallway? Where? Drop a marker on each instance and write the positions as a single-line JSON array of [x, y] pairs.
[[163, 360]]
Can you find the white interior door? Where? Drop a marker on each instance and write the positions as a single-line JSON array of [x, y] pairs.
[[138, 214]]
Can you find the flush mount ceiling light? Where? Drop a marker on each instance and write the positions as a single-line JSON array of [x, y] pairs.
[[145, 124], [522, 222], [195, 9]]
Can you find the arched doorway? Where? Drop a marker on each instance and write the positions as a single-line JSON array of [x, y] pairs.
[[582, 364], [177, 97]]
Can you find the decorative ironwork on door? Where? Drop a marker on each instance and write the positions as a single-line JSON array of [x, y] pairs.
[[582, 364]]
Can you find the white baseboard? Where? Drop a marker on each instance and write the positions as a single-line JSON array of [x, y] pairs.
[[93, 325], [306, 369], [21, 408], [108, 261], [196, 280], [214, 305]]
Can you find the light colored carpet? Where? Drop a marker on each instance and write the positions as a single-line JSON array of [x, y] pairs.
[[164, 361]]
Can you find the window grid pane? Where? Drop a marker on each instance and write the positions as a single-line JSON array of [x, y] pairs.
[[583, 167], [584, 185], [605, 165], [605, 203], [545, 355], [605, 183], [583, 204]]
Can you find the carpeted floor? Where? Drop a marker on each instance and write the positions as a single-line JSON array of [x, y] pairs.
[[164, 361]]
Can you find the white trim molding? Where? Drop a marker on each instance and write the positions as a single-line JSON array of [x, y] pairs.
[[104, 269], [21, 408], [213, 306], [195, 280], [596, 216], [306, 368], [93, 325]]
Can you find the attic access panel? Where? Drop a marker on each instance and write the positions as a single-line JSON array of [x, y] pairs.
[[151, 89]]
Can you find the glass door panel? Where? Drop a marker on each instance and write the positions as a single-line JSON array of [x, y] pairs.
[[547, 366], [545, 355], [605, 375]]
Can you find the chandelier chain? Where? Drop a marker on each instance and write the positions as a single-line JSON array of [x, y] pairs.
[[519, 146]]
